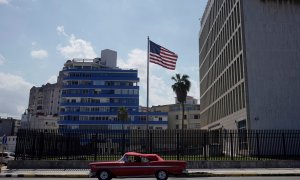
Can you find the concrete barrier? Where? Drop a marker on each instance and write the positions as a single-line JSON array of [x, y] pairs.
[[51, 164], [243, 164], [77, 164]]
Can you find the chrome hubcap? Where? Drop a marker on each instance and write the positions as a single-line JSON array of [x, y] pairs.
[[104, 175], [162, 175]]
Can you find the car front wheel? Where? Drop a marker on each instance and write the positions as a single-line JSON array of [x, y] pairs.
[[161, 175], [104, 175]]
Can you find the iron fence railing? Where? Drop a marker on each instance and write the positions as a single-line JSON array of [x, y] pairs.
[[170, 144]]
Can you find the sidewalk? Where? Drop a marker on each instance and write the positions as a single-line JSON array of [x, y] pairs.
[[83, 173]]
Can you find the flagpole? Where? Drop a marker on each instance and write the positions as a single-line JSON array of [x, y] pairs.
[[147, 116]]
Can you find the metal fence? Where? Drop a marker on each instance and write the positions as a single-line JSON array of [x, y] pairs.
[[170, 144]]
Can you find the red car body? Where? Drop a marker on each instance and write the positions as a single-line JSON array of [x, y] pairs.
[[134, 164]]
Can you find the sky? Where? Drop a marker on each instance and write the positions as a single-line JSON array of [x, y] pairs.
[[37, 37]]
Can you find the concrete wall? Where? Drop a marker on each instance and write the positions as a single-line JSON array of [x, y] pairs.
[[36, 164], [228, 122], [272, 43]]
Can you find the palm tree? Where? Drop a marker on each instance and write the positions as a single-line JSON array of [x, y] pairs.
[[123, 115], [181, 87]]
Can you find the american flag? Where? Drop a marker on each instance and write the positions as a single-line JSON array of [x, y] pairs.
[[162, 56]]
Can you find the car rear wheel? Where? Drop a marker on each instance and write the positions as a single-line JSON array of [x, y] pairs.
[[161, 175], [104, 175]]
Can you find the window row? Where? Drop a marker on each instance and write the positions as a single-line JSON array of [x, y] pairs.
[[108, 118], [100, 91], [210, 21], [99, 82], [225, 21], [86, 109], [223, 37], [228, 104], [229, 53], [99, 74], [100, 100], [233, 75], [93, 109]]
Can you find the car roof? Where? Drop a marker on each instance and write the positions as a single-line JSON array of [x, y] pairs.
[[152, 157]]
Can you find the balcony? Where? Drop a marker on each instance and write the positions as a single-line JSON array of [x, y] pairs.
[[101, 95], [100, 104]]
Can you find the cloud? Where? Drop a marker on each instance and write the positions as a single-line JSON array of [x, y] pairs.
[[61, 31], [52, 79], [160, 92], [14, 92], [77, 48], [2, 59], [4, 2], [194, 90], [39, 54]]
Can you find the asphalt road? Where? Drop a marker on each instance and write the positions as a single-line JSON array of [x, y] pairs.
[[172, 178]]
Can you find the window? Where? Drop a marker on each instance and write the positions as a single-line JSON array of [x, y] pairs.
[[143, 118], [242, 134], [85, 91], [176, 117], [241, 125]]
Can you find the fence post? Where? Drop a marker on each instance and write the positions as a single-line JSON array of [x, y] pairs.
[[123, 142], [33, 147], [41, 145], [284, 148], [205, 144], [231, 146], [150, 142], [178, 145], [23, 138], [95, 147], [68, 145], [257, 146]]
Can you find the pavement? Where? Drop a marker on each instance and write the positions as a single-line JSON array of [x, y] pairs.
[[84, 173]]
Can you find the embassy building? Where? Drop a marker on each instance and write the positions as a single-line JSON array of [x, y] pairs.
[[249, 58], [93, 90]]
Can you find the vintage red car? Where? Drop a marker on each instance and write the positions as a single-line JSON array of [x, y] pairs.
[[134, 164]]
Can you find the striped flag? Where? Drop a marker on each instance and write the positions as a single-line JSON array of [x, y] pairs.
[[162, 56]]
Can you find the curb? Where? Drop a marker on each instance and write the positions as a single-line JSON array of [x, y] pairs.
[[45, 175], [17, 175], [205, 174], [196, 174]]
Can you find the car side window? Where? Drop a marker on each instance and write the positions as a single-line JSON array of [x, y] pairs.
[[144, 160], [130, 159], [137, 159]]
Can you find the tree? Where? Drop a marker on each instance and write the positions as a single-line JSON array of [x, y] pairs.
[[181, 87], [123, 115]]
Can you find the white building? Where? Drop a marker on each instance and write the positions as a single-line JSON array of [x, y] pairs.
[[249, 64]]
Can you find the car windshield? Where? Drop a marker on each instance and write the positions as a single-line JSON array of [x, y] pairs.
[[123, 159]]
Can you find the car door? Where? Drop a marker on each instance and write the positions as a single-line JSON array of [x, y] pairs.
[[135, 168]]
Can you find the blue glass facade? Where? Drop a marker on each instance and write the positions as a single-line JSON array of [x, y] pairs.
[[91, 95]]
